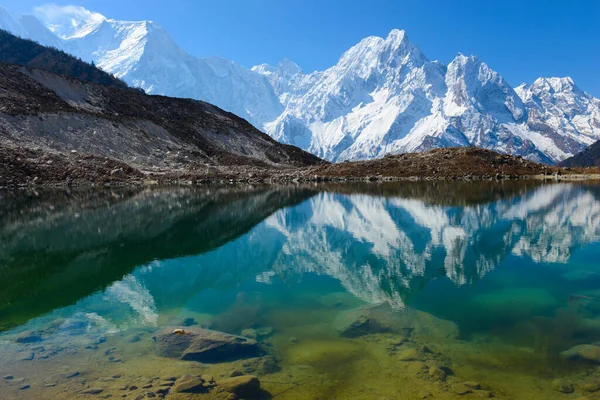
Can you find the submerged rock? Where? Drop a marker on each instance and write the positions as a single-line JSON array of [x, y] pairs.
[[189, 384], [26, 356], [590, 386], [437, 373], [249, 333], [93, 391], [29, 337], [203, 345], [257, 333], [461, 389], [260, 366], [562, 387], [586, 352], [382, 319], [243, 386], [264, 331], [409, 355], [134, 338]]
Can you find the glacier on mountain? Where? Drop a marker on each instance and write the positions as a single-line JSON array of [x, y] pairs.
[[383, 95]]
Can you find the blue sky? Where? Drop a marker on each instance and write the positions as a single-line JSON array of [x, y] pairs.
[[520, 39]]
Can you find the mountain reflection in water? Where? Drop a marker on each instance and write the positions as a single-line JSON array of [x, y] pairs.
[[422, 287], [58, 248]]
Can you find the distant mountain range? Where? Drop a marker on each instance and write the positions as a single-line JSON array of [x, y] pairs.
[[383, 96]]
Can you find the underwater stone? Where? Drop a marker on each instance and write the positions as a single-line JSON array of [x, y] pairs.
[[264, 331], [26, 356], [249, 333], [461, 389], [134, 338], [260, 366], [29, 337], [472, 384], [409, 355], [587, 352], [590, 386], [437, 373], [189, 384], [204, 345], [367, 320], [93, 391], [562, 387], [242, 386]]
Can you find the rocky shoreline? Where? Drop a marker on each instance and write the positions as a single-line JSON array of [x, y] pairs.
[[21, 167]]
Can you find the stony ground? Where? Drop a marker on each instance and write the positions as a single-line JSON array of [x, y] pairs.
[[22, 167]]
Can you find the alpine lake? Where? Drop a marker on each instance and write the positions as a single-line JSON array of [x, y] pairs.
[[413, 290]]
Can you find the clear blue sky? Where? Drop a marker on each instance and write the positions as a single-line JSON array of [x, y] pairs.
[[520, 39]]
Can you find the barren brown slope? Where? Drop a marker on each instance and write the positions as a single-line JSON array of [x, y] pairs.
[[445, 163], [590, 157], [39, 109]]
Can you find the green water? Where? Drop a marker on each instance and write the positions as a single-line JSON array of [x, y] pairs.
[[352, 291]]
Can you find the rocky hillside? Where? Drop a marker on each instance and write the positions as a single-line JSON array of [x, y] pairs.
[[587, 158], [15, 50], [445, 163], [52, 115]]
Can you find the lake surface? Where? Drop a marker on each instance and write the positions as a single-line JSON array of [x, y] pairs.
[[379, 291]]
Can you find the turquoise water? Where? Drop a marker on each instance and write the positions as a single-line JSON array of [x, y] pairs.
[[352, 291]]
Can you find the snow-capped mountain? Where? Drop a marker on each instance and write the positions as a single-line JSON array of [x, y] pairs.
[[28, 27], [383, 96], [562, 112]]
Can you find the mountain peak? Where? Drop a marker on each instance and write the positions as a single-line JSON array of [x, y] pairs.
[[464, 59], [68, 21], [397, 35], [554, 84], [289, 67]]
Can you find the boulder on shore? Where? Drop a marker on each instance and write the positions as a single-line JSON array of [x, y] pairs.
[[203, 345]]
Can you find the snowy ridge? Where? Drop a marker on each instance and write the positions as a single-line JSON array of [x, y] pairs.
[[383, 95]]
